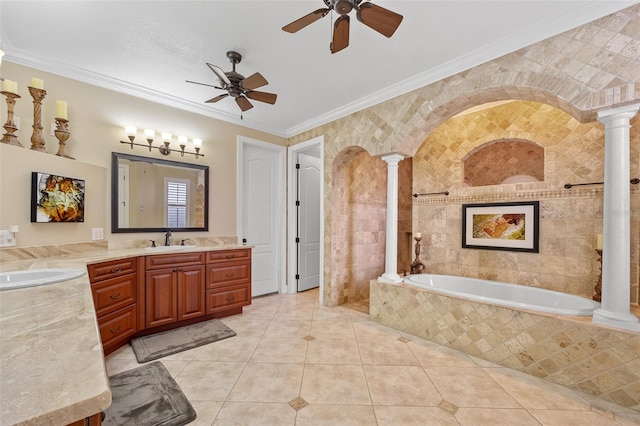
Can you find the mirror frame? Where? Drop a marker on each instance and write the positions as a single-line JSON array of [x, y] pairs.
[[115, 227]]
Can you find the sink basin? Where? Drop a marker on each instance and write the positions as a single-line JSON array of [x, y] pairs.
[[35, 277], [167, 248]]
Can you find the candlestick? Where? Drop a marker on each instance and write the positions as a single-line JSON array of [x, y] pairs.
[[417, 267], [597, 290], [10, 126], [62, 134], [37, 138], [61, 109]]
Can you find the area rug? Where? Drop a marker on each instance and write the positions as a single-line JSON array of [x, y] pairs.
[[147, 395], [154, 346]]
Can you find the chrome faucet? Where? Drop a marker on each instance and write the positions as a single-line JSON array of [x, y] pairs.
[[167, 238]]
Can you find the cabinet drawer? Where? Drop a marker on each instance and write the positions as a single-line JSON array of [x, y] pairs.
[[106, 270], [113, 294], [168, 260], [228, 273], [228, 255], [232, 297], [117, 326]]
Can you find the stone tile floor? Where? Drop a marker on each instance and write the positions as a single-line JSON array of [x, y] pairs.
[[295, 362]]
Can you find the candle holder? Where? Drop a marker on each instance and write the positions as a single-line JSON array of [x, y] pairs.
[[62, 134], [417, 267], [597, 295], [10, 126], [37, 138]]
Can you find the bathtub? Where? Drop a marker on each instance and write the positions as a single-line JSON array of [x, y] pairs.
[[504, 294]]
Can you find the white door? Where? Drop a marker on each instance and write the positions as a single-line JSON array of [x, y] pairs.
[[262, 213], [309, 180]]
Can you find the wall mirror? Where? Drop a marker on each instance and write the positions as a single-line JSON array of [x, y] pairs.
[[155, 195]]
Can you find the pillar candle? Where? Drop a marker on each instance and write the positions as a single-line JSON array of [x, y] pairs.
[[37, 83], [10, 86], [61, 109], [418, 235], [599, 242]]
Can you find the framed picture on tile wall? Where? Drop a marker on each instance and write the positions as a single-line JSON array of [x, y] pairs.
[[56, 198], [501, 226]]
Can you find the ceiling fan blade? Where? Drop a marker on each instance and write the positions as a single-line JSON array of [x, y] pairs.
[[254, 81], [243, 103], [219, 73], [216, 99], [340, 34], [299, 24], [204, 84], [378, 18], [269, 98]]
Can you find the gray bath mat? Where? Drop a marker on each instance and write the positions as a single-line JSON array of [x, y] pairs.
[[147, 395], [154, 346]]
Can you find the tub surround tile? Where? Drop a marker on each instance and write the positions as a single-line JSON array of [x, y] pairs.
[[572, 352]]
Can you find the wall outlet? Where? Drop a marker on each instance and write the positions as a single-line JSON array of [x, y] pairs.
[[6, 238], [97, 233]]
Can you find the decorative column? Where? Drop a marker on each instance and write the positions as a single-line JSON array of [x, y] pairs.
[[616, 251], [391, 252]]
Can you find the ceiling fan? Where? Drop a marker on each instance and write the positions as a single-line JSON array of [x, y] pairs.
[[237, 86], [378, 18]]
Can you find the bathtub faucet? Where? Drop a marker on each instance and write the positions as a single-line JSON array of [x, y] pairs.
[[167, 238]]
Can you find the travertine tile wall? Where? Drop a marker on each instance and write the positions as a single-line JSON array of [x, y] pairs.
[[359, 211], [569, 219], [590, 68], [493, 162], [579, 355]]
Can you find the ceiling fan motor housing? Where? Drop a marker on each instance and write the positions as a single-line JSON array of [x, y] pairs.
[[343, 7]]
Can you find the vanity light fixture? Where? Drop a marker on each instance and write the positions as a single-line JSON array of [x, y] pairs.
[[164, 149]]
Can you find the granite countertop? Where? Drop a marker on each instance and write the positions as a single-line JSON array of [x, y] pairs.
[[52, 367]]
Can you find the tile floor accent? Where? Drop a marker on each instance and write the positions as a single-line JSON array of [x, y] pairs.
[[295, 362]]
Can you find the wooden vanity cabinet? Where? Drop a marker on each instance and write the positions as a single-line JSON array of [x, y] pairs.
[[228, 281], [114, 286], [174, 288]]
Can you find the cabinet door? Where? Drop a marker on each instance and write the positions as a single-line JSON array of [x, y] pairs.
[[161, 297], [191, 297]]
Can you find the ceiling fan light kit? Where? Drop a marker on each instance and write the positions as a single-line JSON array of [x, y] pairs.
[[237, 86], [373, 16]]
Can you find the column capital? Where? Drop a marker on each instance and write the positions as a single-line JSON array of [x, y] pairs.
[[626, 111], [393, 158]]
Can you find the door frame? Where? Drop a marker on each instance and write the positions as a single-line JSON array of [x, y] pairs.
[[281, 206], [291, 203]]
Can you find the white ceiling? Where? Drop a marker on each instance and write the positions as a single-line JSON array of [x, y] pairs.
[[149, 48]]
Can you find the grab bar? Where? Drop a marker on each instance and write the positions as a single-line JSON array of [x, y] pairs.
[[431, 193], [633, 181]]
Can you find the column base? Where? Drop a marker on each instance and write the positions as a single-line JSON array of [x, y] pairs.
[[391, 278], [625, 321]]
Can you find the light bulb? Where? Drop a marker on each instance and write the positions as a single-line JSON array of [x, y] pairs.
[[197, 143], [149, 134], [130, 130], [166, 137]]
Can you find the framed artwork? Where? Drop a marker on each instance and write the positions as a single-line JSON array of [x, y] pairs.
[[501, 226], [56, 198]]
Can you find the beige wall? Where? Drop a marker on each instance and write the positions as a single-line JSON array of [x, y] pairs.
[[96, 120]]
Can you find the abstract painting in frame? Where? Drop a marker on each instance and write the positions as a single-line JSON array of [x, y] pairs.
[[56, 198], [501, 226]]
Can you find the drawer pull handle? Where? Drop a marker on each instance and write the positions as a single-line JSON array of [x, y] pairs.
[[230, 256], [230, 298], [116, 297], [113, 271], [117, 330], [230, 274]]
